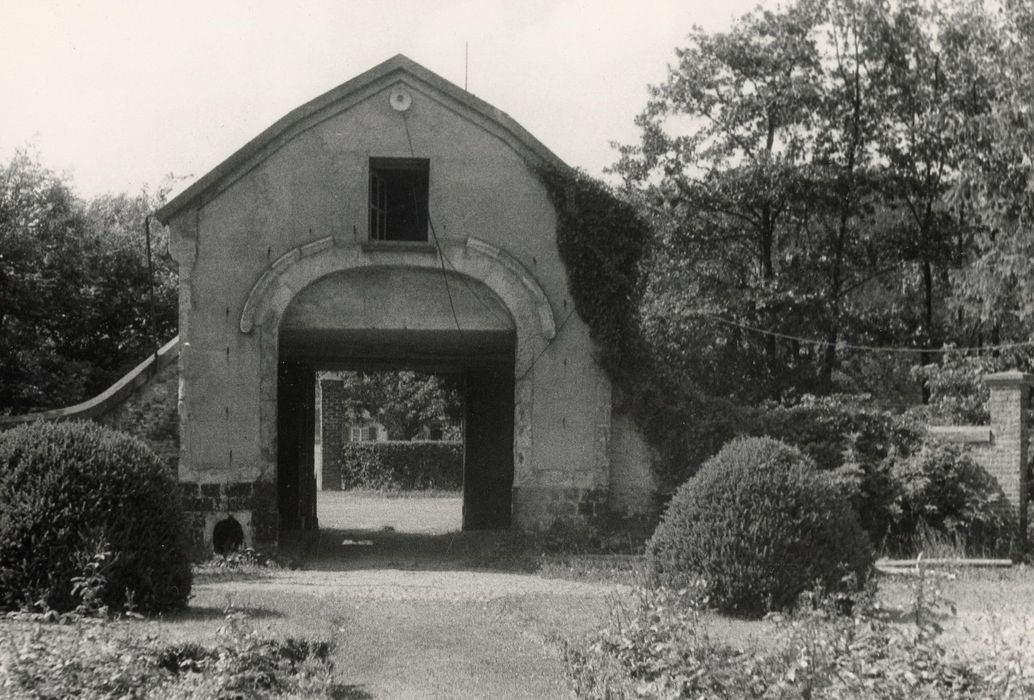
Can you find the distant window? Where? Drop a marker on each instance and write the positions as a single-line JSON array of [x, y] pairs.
[[363, 433], [398, 199]]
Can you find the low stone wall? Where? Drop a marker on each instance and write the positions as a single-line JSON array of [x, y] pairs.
[[142, 403], [151, 414]]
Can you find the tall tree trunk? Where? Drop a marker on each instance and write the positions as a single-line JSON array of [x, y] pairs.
[[929, 356], [768, 275]]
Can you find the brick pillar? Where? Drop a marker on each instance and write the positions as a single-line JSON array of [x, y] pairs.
[[1010, 394], [332, 431]]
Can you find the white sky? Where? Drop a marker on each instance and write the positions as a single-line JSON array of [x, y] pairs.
[[117, 93]]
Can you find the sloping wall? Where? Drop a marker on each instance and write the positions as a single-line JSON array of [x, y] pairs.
[[143, 403]]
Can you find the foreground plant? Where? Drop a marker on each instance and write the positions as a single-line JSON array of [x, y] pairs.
[[93, 658], [658, 647]]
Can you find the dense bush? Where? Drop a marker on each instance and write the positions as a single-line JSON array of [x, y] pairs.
[[836, 429], [84, 504], [659, 648], [833, 430], [944, 490], [91, 661], [402, 466], [855, 440], [757, 526]]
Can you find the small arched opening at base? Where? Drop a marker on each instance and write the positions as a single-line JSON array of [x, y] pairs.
[[227, 536]]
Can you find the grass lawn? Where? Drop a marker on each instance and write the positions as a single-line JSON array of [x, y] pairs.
[[438, 613], [418, 512], [994, 609]]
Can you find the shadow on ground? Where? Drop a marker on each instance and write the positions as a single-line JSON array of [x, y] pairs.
[[349, 692], [201, 613], [332, 549]]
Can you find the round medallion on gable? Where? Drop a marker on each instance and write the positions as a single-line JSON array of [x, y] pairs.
[[400, 99]]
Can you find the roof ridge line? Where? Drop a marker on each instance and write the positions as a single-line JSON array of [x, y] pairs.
[[397, 63]]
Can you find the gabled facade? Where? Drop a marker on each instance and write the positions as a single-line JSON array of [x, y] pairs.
[[395, 222]]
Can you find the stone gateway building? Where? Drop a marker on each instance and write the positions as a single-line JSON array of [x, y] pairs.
[[395, 222]]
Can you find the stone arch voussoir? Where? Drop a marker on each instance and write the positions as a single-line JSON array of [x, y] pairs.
[[503, 274]]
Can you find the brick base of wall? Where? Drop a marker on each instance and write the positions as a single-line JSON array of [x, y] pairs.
[[536, 508], [252, 504]]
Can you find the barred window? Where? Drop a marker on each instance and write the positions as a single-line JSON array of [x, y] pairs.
[[398, 199]]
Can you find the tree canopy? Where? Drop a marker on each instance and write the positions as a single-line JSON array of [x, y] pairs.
[[848, 172], [405, 402], [74, 287]]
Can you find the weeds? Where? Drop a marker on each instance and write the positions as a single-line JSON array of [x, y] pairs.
[[107, 660], [929, 601], [88, 586], [659, 647]]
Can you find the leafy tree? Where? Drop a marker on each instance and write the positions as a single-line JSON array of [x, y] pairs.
[[844, 180], [799, 169], [996, 190], [74, 309], [720, 162], [122, 334], [404, 402], [42, 284]]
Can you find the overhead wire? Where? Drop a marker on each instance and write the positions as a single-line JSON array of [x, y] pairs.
[[437, 243], [852, 346], [548, 344], [441, 253], [443, 260]]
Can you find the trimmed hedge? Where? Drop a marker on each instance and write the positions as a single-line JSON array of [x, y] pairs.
[[402, 466], [79, 498], [757, 526]]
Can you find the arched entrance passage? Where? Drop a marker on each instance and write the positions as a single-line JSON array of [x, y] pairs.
[[339, 304]]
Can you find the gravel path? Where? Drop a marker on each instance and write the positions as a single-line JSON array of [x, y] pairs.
[[416, 615], [395, 584], [425, 634]]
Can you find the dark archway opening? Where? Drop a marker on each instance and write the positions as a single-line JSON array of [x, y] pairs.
[[482, 361], [227, 536]]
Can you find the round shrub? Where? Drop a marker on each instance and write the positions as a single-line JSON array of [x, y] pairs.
[[756, 527], [88, 515]]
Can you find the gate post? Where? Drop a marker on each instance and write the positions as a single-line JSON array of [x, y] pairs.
[[1009, 462]]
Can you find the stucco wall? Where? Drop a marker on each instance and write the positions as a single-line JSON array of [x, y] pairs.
[[633, 485], [315, 186]]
